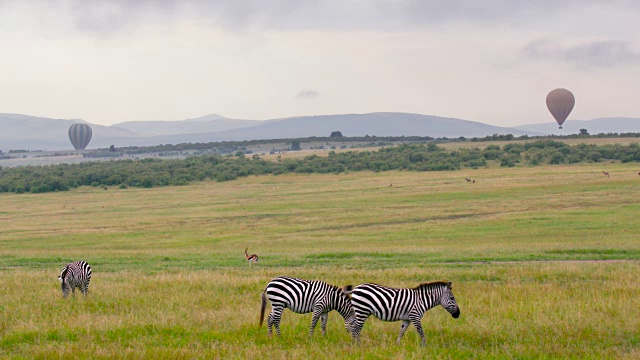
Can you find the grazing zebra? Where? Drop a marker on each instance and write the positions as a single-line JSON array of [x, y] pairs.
[[77, 274], [408, 305], [253, 258], [305, 296]]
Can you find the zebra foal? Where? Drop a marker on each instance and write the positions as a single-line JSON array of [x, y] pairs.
[[305, 296], [75, 275], [408, 305]]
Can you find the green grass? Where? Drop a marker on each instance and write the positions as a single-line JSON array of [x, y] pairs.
[[543, 260]]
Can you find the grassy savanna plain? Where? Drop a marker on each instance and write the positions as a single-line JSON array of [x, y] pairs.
[[453, 145], [544, 263]]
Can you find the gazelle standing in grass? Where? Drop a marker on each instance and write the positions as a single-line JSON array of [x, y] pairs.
[[253, 258]]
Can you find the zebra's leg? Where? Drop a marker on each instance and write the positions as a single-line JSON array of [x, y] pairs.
[[418, 324], [323, 323], [403, 328], [317, 312], [274, 318], [277, 326], [357, 328]]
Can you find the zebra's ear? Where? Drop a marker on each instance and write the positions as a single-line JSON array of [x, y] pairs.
[[449, 285], [347, 289]]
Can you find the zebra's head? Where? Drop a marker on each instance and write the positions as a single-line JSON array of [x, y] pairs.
[[448, 301], [344, 307]]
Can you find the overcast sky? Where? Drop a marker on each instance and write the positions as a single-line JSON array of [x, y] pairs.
[[492, 61]]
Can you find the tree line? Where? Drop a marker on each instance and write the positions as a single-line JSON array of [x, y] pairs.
[[148, 173]]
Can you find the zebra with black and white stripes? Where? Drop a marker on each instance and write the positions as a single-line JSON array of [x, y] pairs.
[[75, 275], [408, 305], [305, 296]]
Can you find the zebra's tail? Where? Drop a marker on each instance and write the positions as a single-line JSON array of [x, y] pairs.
[[263, 307]]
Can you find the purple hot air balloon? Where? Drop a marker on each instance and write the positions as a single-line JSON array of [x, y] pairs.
[[560, 102], [80, 135]]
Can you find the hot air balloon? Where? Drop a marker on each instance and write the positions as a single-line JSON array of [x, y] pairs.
[[560, 103], [80, 135]]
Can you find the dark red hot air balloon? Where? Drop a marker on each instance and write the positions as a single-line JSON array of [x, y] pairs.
[[80, 135], [560, 102]]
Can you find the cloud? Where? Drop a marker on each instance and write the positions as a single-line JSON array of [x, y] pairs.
[[599, 53], [110, 16], [307, 94]]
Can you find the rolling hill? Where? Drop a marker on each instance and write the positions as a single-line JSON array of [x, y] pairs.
[[26, 132], [378, 124], [39, 133], [204, 124]]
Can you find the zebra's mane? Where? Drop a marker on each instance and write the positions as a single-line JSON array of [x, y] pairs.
[[345, 290], [430, 285]]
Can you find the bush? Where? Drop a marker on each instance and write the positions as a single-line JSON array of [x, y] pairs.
[[414, 157], [557, 158]]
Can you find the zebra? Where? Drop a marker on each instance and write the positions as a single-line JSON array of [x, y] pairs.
[[408, 305], [77, 274], [305, 296]]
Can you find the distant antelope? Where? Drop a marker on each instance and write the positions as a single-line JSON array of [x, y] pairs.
[[605, 173], [253, 258], [468, 180]]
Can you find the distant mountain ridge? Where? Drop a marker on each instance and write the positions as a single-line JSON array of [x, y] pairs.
[[38, 133], [207, 123], [378, 124], [24, 132]]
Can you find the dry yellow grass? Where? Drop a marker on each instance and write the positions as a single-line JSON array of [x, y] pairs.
[[523, 247]]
